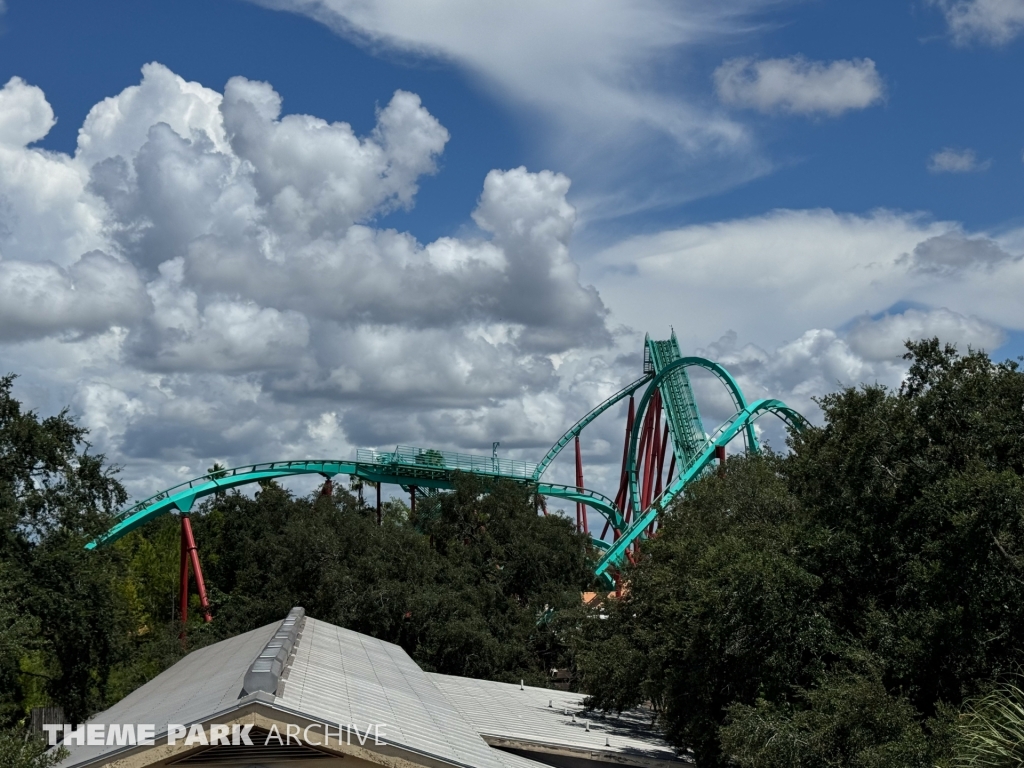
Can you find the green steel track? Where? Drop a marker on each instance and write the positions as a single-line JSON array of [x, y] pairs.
[[664, 372], [405, 466], [743, 420]]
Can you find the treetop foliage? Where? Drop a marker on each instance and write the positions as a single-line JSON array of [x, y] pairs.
[[835, 605], [462, 585], [855, 602]]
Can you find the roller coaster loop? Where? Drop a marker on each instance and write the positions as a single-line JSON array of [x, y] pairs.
[[645, 489]]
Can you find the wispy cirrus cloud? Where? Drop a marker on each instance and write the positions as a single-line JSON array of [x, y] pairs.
[[797, 86], [774, 276], [990, 22], [589, 78], [950, 160]]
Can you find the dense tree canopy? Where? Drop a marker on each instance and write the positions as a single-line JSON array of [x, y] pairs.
[[855, 602], [63, 622], [463, 586], [467, 586], [831, 607]]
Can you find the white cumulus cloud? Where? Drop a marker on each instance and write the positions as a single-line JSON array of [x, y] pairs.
[[205, 278], [798, 86], [40, 298], [823, 360], [209, 277], [954, 253], [883, 338], [26, 115]]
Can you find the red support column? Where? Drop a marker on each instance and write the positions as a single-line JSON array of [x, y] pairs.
[[621, 496], [576, 446], [328, 488], [661, 462], [378, 504], [197, 571], [659, 473], [581, 508], [650, 464], [668, 481], [642, 450], [412, 500], [653, 412], [720, 455], [657, 444]]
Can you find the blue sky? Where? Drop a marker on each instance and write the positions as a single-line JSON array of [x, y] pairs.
[[80, 54], [937, 95], [796, 187]]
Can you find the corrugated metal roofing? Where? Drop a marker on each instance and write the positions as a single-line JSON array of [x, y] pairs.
[[205, 682], [342, 677], [510, 760], [507, 712], [346, 677]]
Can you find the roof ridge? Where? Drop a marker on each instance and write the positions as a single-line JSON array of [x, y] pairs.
[[264, 674]]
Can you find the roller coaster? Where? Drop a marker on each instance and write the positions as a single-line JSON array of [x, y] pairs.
[[664, 424]]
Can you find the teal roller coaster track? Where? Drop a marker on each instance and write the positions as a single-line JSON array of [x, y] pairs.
[[664, 424]]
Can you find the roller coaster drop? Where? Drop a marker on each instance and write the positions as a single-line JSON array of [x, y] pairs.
[[666, 417]]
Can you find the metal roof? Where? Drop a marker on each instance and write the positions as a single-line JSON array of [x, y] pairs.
[[509, 714], [340, 677], [202, 684], [346, 677]]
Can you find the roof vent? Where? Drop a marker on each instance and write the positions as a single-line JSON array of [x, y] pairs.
[[265, 672]]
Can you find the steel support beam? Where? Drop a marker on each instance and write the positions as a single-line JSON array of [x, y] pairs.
[[190, 556], [622, 496], [581, 508]]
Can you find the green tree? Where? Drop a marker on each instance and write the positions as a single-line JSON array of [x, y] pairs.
[[462, 590], [874, 569], [18, 632], [847, 719], [18, 750], [54, 497], [720, 609]]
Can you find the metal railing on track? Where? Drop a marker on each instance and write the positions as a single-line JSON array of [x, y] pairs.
[[433, 459], [211, 477]]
